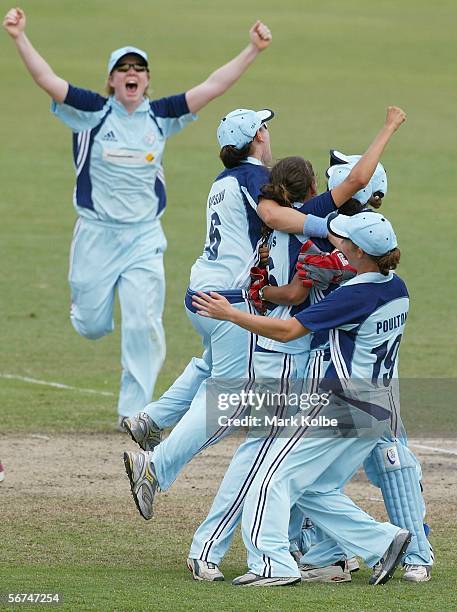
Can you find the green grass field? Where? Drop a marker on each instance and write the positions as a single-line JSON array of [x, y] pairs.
[[331, 71]]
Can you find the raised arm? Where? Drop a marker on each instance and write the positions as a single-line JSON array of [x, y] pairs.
[[224, 77], [43, 75], [363, 170], [292, 221], [216, 306]]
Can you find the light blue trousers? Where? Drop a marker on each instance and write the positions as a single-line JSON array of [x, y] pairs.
[[213, 537], [309, 472], [228, 354], [106, 257], [406, 508]]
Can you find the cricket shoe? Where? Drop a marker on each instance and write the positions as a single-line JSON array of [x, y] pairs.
[[143, 431], [338, 572], [417, 573], [251, 579], [296, 555], [120, 424], [385, 568], [353, 565], [2, 472], [143, 481], [204, 570]]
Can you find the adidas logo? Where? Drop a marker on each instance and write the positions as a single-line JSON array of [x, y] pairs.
[[110, 136]]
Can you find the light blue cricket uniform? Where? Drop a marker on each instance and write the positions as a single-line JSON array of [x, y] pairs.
[[233, 237], [365, 319], [176, 401], [118, 242], [274, 362], [231, 249], [391, 466]]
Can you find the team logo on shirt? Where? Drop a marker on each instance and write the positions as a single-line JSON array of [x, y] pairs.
[[391, 457], [109, 136], [150, 138]]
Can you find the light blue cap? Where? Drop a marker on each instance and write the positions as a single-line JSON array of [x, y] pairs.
[[116, 56], [337, 174], [239, 127], [370, 231], [379, 179]]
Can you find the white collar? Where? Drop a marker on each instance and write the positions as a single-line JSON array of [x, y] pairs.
[[252, 160], [369, 277], [120, 108]]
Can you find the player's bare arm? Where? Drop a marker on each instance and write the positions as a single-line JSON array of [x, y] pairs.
[[224, 77], [292, 294], [216, 306], [363, 170], [292, 221], [43, 75]]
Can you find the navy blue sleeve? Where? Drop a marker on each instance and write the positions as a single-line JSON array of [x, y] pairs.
[[84, 99], [171, 106], [344, 306], [321, 205]]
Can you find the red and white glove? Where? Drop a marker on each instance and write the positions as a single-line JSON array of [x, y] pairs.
[[259, 279], [325, 269], [307, 248]]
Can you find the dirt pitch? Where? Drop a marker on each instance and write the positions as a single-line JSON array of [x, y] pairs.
[[61, 473]]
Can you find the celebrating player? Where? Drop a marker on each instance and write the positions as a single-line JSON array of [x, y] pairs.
[[278, 367], [325, 560], [118, 242], [230, 251], [309, 467]]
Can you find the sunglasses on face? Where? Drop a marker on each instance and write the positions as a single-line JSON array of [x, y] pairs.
[[125, 67]]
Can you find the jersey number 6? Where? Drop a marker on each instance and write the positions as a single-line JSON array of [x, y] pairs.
[[214, 237]]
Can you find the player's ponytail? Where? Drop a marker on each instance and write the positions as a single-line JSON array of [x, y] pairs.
[[290, 181], [278, 193], [375, 201], [231, 156], [387, 262]]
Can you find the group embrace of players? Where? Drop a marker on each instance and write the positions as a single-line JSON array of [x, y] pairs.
[[331, 319], [293, 287]]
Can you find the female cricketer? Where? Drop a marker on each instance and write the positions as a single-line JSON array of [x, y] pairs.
[[120, 196], [233, 235], [366, 319]]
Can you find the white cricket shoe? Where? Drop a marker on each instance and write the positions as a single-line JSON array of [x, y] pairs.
[[385, 568], [204, 570], [353, 565], [143, 481], [417, 573], [251, 579], [120, 424], [338, 572], [143, 431]]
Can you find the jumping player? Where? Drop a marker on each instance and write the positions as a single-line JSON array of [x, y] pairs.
[[120, 196]]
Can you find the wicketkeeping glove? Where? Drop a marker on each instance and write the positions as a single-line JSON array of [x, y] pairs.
[[307, 248], [325, 269], [259, 279]]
